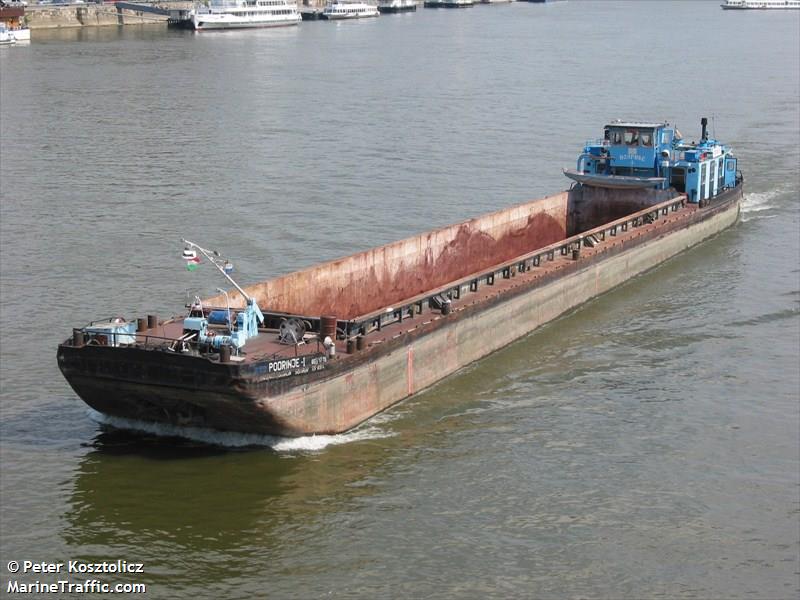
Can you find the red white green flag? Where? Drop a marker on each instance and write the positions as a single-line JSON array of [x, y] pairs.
[[192, 263]]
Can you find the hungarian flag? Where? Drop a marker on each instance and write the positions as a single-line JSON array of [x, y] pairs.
[[191, 264]]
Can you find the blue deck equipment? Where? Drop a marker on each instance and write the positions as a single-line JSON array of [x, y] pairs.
[[247, 320]]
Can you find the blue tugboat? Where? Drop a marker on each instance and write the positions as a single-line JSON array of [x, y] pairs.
[[635, 155]]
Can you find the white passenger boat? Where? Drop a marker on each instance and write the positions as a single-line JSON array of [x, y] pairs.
[[342, 9], [13, 35], [760, 4], [449, 3], [244, 14], [396, 6]]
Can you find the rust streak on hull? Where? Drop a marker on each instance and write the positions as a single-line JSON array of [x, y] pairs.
[[383, 276]]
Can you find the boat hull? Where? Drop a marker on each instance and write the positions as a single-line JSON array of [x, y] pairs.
[[760, 7], [347, 17], [397, 9], [155, 386], [21, 35], [201, 25]]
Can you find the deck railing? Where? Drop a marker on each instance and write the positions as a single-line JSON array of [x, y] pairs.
[[90, 335]]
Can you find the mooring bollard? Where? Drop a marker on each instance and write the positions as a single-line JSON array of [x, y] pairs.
[[576, 253], [351, 345], [360, 342], [141, 324], [77, 338], [152, 321], [225, 353], [327, 327]]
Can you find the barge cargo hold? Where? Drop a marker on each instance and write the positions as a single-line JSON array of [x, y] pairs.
[[323, 349]]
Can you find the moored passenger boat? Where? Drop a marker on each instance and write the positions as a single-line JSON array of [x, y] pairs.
[[12, 24], [323, 349], [347, 9], [12, 35], [761, 4], [396, 6], [449, 3], [244, 14]]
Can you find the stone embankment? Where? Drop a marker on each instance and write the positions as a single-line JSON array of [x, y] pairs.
[[94, 15]]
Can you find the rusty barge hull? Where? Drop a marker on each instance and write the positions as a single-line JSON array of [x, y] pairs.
[[519, 268]]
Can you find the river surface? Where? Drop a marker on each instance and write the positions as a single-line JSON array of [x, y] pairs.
[[644, 446]]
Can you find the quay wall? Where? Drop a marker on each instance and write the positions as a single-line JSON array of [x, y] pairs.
[[345, 401], [95, 15]]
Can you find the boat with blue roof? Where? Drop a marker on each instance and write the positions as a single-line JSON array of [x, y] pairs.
[[634, 155]]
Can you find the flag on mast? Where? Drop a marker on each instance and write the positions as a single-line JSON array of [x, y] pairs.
[[191, 258]]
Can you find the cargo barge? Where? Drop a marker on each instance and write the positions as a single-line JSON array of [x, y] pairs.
[[323, 349]]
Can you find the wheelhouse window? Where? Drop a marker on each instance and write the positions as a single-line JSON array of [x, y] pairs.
[[632, 137], [616, 137], [647, 138]]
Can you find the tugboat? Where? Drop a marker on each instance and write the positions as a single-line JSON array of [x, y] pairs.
[[323, 349], [635, 155]]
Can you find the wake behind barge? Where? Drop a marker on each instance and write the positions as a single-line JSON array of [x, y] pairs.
[[323, 349]]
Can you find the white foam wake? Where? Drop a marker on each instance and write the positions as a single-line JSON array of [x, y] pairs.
[[755, 203], [241, 440], [758, 201]]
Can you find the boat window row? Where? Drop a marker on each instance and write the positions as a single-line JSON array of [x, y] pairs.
[[632, 137], [248, 3], [261, 13]]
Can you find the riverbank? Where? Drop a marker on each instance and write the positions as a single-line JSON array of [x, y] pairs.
[[97, 15]]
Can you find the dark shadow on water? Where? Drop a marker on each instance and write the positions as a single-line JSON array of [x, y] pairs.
[[119, 442]]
